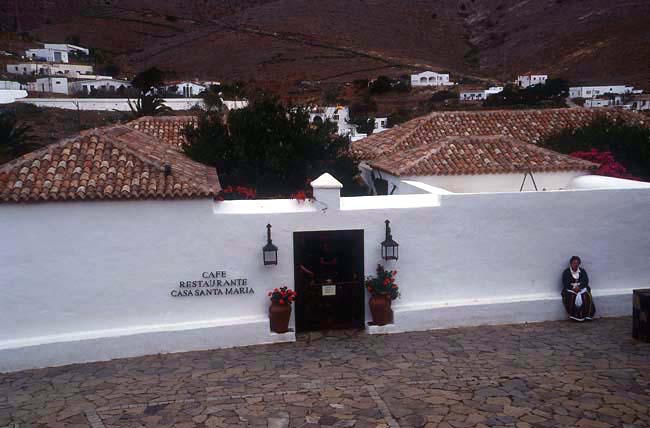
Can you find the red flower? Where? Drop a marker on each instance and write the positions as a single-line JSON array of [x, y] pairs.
[[281, 302]]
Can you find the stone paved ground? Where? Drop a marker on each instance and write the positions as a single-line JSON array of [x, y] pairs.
[[555, 374]]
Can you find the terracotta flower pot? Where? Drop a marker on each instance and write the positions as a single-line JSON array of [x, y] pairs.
[[279, 315], [380, 309]]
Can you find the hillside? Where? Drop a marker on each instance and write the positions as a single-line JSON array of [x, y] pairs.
[[339, 40]]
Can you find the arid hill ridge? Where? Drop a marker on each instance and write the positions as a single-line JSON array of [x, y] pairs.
[[291, 40]]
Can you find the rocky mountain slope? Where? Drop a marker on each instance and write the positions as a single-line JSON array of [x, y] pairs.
[[339, 40]]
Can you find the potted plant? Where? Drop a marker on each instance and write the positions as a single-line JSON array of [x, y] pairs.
[[280, 309], [383, 291]]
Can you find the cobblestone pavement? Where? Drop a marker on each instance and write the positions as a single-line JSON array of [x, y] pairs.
[[555, 374]]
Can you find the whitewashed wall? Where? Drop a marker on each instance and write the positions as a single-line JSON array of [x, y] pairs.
[[85, 281], [478, 183], [119, 104]]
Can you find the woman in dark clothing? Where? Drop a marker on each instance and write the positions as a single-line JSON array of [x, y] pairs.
[[576, 293]]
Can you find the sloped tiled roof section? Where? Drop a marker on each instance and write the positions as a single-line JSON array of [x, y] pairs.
[[168, 129], [530, 126], [477, 155], [110, 163]]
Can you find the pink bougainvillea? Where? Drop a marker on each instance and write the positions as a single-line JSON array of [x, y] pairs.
[[608, 165], [236, 192]]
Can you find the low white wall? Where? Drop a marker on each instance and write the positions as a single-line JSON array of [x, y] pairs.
[[81, 273], [495, 182], [119, 104], [8, 96]]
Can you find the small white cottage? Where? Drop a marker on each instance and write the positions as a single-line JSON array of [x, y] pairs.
[[430, 78]]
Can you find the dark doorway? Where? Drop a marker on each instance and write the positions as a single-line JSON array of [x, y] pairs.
[[329, 280]]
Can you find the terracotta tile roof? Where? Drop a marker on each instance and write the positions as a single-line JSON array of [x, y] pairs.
[[529, 126], [115, 162], [168, 129], [477, 155]]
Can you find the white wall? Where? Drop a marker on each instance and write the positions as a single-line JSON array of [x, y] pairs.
[[92, 280], [120, 104], [8, 96], [594, 91], [479, 183]]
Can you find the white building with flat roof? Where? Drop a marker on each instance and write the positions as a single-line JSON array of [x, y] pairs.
[[45, 68], [87, 86], [54, 52], [430, 78], [526, 80], [55, 85], [11, 85], [186, 88], [595, 91], [479, 94], [339, 115]]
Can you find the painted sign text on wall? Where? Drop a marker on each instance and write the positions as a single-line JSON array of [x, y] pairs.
[[214, 283]]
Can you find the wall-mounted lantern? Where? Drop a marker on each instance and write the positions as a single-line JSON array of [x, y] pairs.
[[269, 251], [389, 248]]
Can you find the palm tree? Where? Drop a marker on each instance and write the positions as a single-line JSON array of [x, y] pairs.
[[15, 139], [148, 105]]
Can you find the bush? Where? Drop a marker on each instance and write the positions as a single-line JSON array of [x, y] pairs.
[[608, 165], [271, 148], [629, 144]]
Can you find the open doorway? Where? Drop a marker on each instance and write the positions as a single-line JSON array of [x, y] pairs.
[[329, 280]]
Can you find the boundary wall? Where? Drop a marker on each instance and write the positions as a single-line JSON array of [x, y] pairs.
[[119, 104], [87, 281]]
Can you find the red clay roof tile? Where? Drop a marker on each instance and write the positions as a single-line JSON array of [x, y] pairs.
[[529, 126], [115, 162], [477, 155], [168, 129]]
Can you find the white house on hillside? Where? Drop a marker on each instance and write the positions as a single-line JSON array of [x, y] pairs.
[[430, 78], [68, 70], [55, 85], [595, 91], [54, 52], [479, 94], [88, 85], [339, 115], [11, 85], [638, 103], [186, 88], [381, 124], [526, 80]]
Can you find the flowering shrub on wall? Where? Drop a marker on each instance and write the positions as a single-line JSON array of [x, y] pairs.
[[608, 165], [302, 195], [233, 193]]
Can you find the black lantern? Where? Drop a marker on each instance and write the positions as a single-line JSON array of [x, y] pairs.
[[389, 248], [270, 251]]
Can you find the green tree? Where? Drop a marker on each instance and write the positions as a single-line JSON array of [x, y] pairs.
[[15, 139], [362, 114], [272, 148], [146, 81], [628, 143], [381, 85], [551, 93], [148, 105]]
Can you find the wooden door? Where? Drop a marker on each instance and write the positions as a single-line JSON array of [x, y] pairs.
[[329, 280]]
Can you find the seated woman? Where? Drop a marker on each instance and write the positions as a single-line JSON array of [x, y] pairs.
[[576, 293]]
